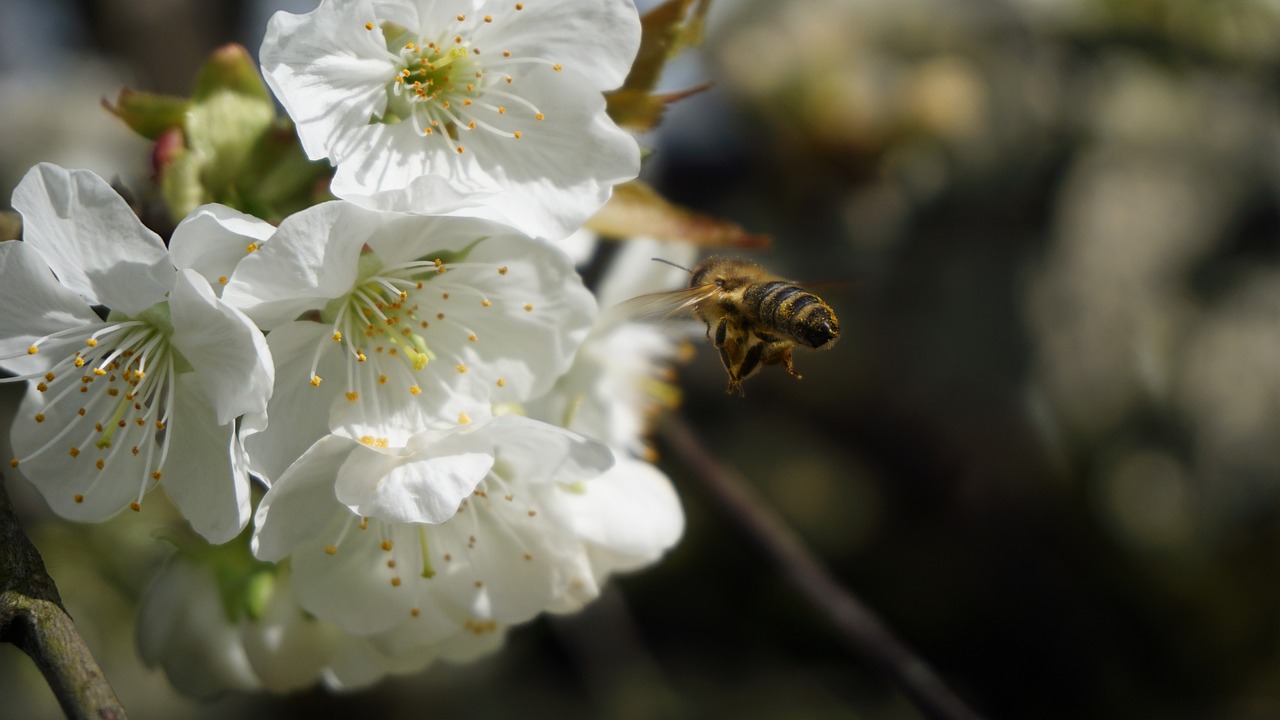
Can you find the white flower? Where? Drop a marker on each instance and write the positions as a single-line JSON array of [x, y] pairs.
[[486, 108], [218, 623], [468, 529], [622, 376], [408, 321], [151, 392]]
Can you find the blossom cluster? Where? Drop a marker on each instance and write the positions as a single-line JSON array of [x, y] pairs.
[[448, 437]]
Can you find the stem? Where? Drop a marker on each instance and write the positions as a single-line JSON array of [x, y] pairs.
[[32, 617], [861, 628]]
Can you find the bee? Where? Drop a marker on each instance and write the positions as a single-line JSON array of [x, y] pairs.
[[754, 317]]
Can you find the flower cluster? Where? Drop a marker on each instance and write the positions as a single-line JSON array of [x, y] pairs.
[[448, 437]]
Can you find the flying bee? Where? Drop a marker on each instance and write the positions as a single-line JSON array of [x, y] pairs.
[[754, 317]]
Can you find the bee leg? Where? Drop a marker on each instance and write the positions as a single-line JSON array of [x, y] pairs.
[[780, 352]]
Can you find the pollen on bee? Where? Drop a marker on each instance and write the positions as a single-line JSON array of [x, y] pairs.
[[134, 506], [78, 498]]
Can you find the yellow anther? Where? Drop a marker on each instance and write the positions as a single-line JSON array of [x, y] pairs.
[[368, 26], [33, 350], [502, 383], [463, 419], [353, 396], [330, 549], [518, 134], [316, 380], [415, 390], [134, 506], [251, 247], [91, 342], [337, 336]]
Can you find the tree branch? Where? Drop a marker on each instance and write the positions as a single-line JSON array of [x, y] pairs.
[[865, 632], [32, 617]]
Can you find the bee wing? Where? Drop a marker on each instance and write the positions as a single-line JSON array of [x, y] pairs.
[[665, 305]]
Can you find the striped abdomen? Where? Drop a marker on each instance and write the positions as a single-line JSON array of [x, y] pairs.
[[790, 310]]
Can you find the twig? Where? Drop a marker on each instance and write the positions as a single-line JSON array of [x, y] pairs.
[[869, 637], [32, 617]]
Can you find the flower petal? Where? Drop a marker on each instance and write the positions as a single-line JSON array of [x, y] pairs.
[[304, 494], [229, 353], [329, 73], [202, 475], [35, 305], [416, 489], [598, 38], [91, 239], [311, 259], [214, 238]]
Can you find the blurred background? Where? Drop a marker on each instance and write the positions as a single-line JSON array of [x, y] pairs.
[[1046, 450]]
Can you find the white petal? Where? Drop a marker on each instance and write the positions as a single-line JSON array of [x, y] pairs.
[[35, 305], [304, 496], [91, 239], [63, 477], [631, 511], [202, 475], [416, 489], [310, 260], [329, 72], [183, 628], [352, 587], [536, 452], [299, 412], [598, 38], [213, 239], [288, 648], [229, 353]]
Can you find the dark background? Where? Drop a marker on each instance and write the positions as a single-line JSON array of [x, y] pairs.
[[1046, 448]]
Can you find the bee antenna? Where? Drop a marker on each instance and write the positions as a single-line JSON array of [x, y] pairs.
[[668, 262]]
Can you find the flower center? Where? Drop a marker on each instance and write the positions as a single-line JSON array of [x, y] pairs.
[[108, 397], [446, 86]]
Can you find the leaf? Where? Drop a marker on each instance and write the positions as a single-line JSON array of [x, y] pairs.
[[660, 31], [639, 110], [148, 114], [637, 209]]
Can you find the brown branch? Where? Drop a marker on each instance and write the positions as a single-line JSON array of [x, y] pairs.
[[865, 632], [32, 617]]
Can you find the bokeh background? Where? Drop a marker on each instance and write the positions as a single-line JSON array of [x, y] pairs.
[[1046, 450]]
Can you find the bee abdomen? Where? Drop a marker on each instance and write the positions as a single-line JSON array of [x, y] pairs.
[[792, 311]]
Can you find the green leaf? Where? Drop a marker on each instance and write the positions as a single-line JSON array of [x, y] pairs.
[[148, 114]]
